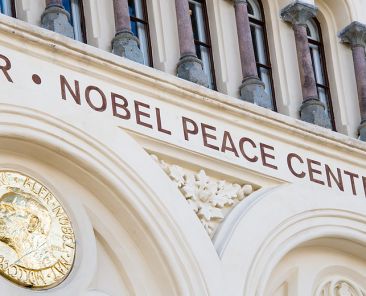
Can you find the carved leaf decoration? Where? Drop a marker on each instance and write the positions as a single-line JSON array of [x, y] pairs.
[[208, 212], [211, 200]]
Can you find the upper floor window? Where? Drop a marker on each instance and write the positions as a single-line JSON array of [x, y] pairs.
[[319, 66], [259, 37], [140, 28], [7, 7], [75, 8], [202, 40]]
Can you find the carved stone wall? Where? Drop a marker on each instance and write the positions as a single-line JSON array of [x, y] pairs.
[[210, 199]]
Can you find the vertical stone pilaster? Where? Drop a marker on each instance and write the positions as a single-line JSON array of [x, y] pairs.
[[189, 66], [252, 88], [355, 35], [125, 44], [312, 109], [57, 19]]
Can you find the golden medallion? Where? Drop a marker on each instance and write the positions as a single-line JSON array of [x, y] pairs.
[[37, 242]]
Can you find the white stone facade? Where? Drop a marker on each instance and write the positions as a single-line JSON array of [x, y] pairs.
[[236, 200]]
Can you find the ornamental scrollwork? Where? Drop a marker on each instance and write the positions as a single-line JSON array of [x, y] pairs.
[[340, 288], [210, 199]]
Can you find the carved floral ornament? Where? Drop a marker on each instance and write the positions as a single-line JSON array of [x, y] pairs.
[[210, 199], [340, 288]]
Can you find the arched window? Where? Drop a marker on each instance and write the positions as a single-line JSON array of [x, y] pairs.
[[75, 8], [319, 66], [7, 7], [140, 28], [259, 37], [201, 35]]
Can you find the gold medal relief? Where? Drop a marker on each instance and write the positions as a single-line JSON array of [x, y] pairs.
[[37, 242]]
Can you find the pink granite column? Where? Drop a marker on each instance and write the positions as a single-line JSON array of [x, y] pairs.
[[355, 34], [312, 109], [125, 44], [121, 15], [189, 66], [252, 88], [57, 19]]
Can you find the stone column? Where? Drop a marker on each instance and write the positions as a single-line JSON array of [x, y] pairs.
[[355, 35], [189, 66], [252, 88], [57, 19], [312, 109], [125, 44]]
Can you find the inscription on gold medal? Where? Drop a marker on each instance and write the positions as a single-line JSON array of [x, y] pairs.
[[37, 242]]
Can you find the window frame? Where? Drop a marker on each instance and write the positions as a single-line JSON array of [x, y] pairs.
[[262, 24], [208, 43], [323, 63], [145, 22], [13, 9], [82, 21]]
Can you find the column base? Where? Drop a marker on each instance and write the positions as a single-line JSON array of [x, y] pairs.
[[313, 111], [56, 19], [125, 44], [191, 68], [362, 131], [252, 90]]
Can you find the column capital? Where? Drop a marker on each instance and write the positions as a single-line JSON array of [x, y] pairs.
[[298, 13], [240, 1], [354, 34]]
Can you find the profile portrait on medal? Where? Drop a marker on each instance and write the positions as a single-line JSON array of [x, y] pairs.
[[25, 226]]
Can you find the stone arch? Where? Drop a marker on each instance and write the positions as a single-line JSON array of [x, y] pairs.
[[265, 227], [147, 227]]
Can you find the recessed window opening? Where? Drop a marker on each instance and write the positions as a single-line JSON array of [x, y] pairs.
[[7, 7], [201, 35], [260, 44], [319, 65], [75, 8], [140, 28]]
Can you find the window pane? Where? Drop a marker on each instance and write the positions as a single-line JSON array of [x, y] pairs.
[[73, 7], [142, 35], [5, 7], [265, 76], [317, 64], [198, 21], [258, 33], [140, 28], [254, 9], [258, 44], [204, 55], [201, 37]]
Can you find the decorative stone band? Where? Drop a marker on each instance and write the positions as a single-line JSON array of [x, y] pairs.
[[341, 288], [298, 13], [211, 200], [57, 19]]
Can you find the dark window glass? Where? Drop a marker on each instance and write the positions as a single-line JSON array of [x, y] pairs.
[[7, 7], [202, 40], [259, 37], [75, 8], [319, 66], [140, 28]]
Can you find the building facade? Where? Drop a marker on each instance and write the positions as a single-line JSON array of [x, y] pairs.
[[187, 147]]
